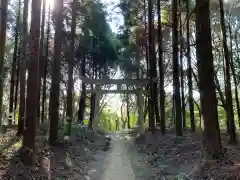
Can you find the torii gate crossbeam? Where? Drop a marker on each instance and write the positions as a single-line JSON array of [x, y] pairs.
[[139, 91]]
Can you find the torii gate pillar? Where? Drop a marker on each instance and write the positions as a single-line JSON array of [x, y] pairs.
[[96, 121], [140, 103]]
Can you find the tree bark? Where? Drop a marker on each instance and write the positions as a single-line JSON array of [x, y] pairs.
[[55, 85], [45, 70], [221, 95], [3, 27], [17, 83], [41, 59], [150, 125], [14, 64], [82, 101], [70, 70], [161, 70], [23, 63], [92, 110], [190, 84], [182, 74], [29, 138], [234, 76], [211, 134], [42, 53], [128, 113], [229, 102], [145, 109], [152, 68], [176, 83]]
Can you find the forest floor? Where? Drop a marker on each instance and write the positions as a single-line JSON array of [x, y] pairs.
[[87, 156], [181, 158], [70, 159], [118, 156]]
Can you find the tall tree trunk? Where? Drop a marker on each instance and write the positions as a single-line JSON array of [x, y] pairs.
[[92, 110], [237, 48], [199, 113], [3, 27], [139, 96], [229, 102], [161, 70], [45, 69], [152, 68], [176, 83], [41, 54], [145, 109], [14, 64], [122, 118], [234, 76], [128, 113], [220, 92], [182, 72], [93, 95], [17, 83], [41, 59], [55, 84], [82, 100], [173, 112], [147, 62], [23, 62], [29, 138], [211, 134], [70, 69], [189, 76], [82, 103], [150, 112], [146, 40]]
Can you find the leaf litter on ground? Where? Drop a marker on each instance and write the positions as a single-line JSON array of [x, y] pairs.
[[181, 157], [68, 160]]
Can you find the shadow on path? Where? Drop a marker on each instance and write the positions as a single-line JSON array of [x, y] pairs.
[[121, 162]]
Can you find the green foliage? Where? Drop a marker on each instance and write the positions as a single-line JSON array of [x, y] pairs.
[[96, 41], [133, 119], [222, 117], [108, 120]]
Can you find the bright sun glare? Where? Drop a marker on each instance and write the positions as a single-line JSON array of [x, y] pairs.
[[50, 2]]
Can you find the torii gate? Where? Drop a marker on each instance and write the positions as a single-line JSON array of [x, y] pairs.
[[141, 83]]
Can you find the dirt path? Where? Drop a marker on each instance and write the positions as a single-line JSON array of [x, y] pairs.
[[120, 163], [87, 159]]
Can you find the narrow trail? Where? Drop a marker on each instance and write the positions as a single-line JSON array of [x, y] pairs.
[[120, 162]]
